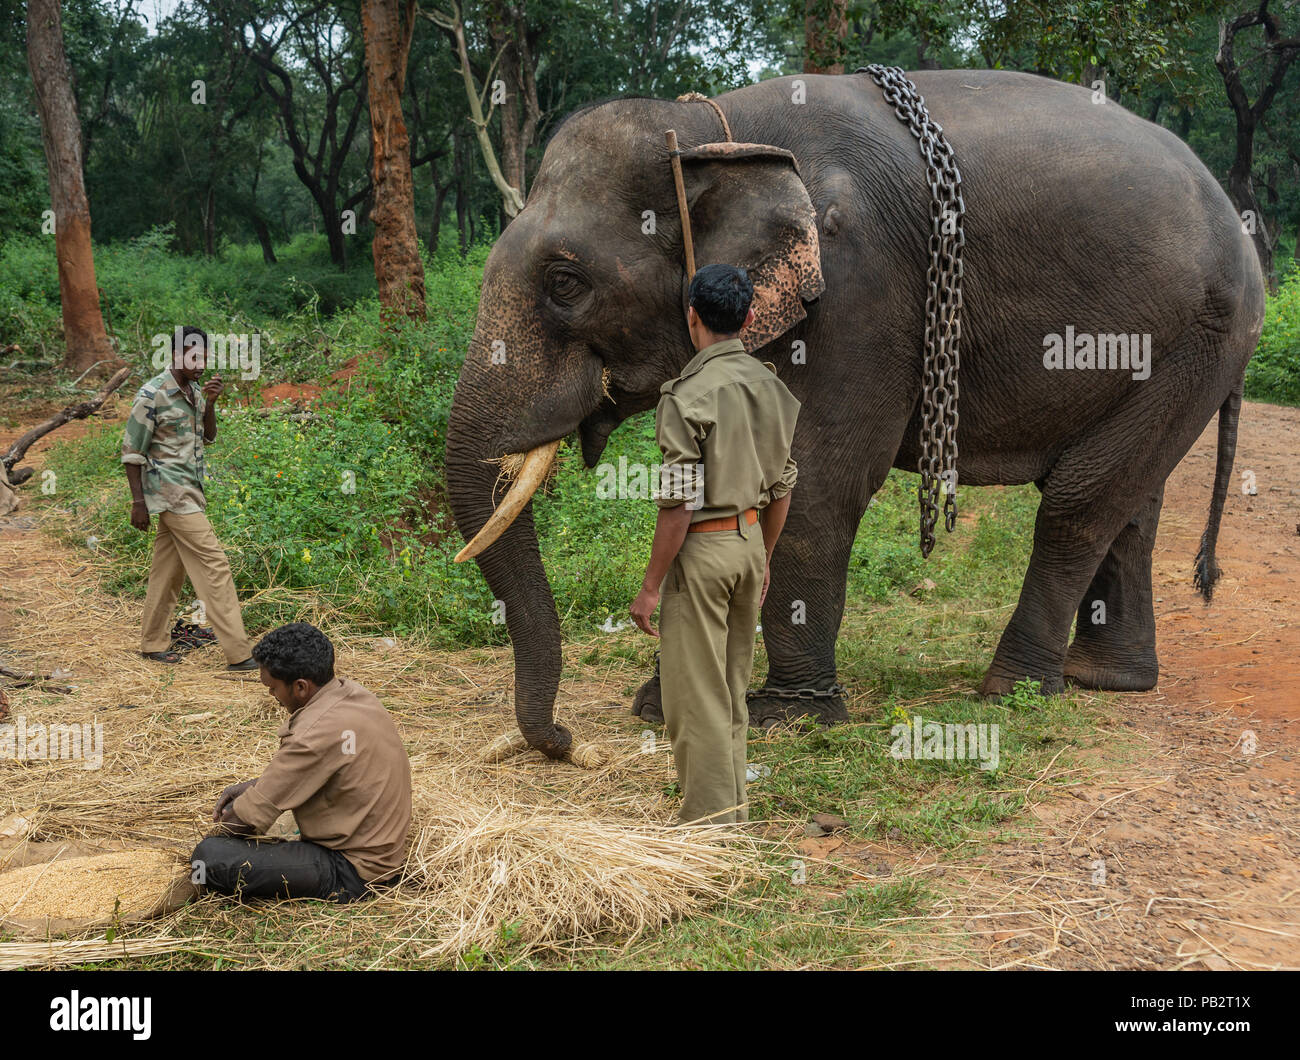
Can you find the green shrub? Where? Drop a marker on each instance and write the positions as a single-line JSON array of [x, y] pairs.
[[1274, 372]]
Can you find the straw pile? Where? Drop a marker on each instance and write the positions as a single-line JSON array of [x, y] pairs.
[[574, 844], [481, 873], [90, 888]]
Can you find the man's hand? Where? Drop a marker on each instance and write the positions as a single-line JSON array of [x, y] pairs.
[[767, 580], [227, 797], [140, 515], [231, 825], [643, 609], [214, 388], [671, 526]]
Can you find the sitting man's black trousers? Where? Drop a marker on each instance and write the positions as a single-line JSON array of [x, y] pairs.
[[267, 868]]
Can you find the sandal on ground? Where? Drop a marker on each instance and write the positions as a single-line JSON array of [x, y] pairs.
[[163, 656], [187, 637]]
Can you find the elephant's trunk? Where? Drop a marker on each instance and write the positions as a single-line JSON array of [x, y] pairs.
[[506, 550]]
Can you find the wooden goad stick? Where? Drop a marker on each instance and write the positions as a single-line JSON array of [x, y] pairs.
[[675, 157]]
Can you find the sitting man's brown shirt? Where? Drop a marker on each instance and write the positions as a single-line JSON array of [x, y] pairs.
[[342, 770]]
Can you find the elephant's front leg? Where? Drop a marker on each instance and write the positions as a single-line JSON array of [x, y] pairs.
[[805, 600], [647, 704], [801, 620]]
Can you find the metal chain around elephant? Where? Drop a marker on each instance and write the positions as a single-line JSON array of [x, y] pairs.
[[938, 462], [797, 693]]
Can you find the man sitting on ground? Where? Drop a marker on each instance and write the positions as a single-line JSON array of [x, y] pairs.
[[342, 770]]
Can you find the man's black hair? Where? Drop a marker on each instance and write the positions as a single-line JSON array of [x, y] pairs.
[[721, 295], [297, 650], [186, 344]]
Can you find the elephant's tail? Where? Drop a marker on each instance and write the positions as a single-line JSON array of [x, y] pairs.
[[1207, 567]]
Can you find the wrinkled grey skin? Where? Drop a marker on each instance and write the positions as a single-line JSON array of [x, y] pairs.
[[1078, 213]]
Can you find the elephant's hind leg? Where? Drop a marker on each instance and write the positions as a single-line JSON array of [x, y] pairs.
[[1083, 531], [1114, 647]]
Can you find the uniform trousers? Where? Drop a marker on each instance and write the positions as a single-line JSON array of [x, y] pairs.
[[709, 605]]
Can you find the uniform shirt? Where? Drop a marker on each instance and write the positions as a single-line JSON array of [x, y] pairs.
[[342, 770], [165, 436], [731, 420]]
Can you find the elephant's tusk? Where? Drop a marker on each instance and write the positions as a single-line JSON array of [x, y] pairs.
[[536, 466]]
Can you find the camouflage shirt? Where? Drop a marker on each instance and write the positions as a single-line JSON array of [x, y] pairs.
[[165, 436]]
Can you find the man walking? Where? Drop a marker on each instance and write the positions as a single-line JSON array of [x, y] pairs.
[[724, 427], [162, 450]]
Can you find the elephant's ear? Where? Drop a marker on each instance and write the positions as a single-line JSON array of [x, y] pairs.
[[750, 208]]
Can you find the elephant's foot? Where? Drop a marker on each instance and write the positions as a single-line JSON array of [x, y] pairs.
[[1133, 672], [767, 710], [999, 683], [646, 705]]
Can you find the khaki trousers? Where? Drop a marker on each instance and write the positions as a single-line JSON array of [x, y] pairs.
[[708, 608], [186, 545]]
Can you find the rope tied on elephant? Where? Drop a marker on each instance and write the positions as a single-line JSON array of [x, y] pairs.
[[700, 97]]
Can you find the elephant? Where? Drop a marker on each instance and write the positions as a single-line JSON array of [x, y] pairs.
[[1079, 215]]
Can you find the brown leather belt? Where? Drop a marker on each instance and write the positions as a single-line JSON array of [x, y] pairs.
[[727, 522]]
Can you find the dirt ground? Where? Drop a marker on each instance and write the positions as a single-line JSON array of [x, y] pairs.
[[1190, 856], [1184, 855]]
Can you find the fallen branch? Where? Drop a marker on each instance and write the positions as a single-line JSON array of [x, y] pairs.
[[23, 675], [73, 412], [27, 678]]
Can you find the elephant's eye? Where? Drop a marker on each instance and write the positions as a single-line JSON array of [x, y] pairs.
[[565, 286]]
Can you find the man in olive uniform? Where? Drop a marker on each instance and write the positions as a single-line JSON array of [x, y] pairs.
[[162, 449], [724, 426]]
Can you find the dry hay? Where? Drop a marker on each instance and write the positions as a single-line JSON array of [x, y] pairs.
[[91, 888], [174, 736], [485, 871], [510, 464], [52, 953]]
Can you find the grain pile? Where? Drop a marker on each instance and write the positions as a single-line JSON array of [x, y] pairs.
[[89, 888]]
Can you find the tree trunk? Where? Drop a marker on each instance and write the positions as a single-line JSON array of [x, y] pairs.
[[332, 221], [398, 269], [1278, 54], [462, 193], [825, 25], [83, 325], [210, 223], [435, 226], [264, 237]]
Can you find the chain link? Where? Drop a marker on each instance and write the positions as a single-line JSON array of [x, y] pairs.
[[797, 693], [943, 302], [785, 693]]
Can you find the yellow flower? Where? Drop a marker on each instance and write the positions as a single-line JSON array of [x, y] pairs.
[[306, 555]]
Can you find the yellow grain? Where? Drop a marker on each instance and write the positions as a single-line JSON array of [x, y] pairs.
[[88, 887]]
